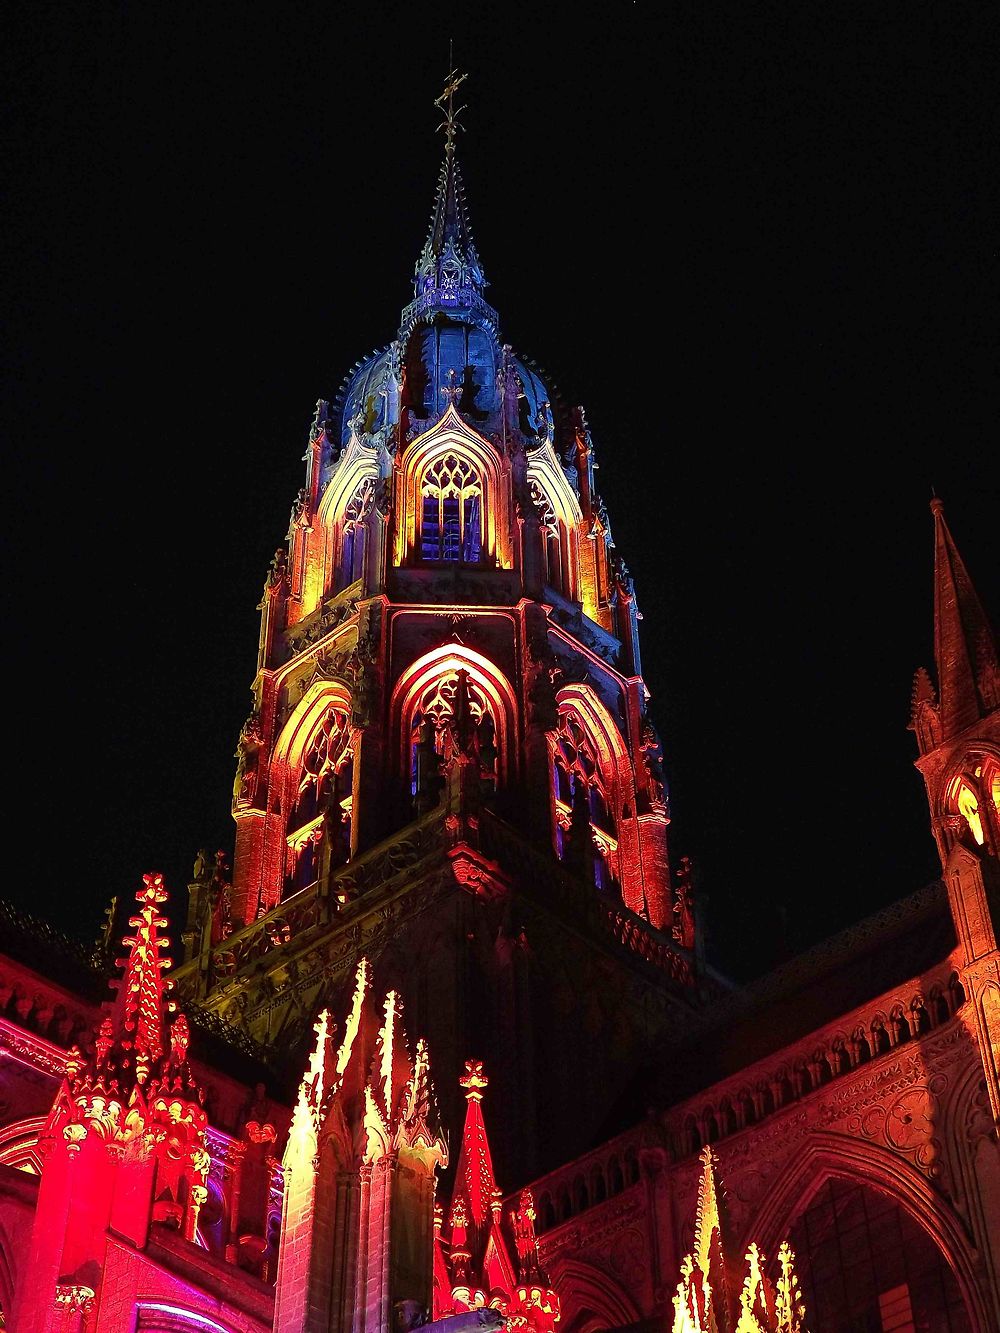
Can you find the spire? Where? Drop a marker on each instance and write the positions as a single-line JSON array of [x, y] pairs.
[[363, 1104], [132, 1041], [757, 1310], [141, 989], [709, 1298], [965, 650], [477, 1266], [708, 1223], [448, 274], [137, 1088], [789, 1310], [474, 1179], [369, 1081]]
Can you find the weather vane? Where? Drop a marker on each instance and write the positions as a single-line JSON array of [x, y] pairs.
[[446, 104]]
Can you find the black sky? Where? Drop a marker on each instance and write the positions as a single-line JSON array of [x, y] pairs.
[[757, 243]]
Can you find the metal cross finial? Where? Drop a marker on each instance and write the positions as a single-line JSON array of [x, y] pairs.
[[450, 123]]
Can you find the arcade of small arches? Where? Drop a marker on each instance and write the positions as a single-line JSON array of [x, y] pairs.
[[805, 1071], [771, 1091], [592, 1184]]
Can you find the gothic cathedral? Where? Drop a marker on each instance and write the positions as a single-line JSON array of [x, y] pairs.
[[453, 953]]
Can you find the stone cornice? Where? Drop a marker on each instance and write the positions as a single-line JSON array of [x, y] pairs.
[[16, 1043]]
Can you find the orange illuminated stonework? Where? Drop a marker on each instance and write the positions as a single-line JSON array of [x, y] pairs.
[[713, 1294], [452, 821]]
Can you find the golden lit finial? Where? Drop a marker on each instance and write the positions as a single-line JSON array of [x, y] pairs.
[[446, 104], [707, 1221]]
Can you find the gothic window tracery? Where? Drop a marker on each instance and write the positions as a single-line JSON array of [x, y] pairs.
[[578, 782], [350, 555], [864, 1262], [321, 803], [555, 542], [434, 718], [451, 527]]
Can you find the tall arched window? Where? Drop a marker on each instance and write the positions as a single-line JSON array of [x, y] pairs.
[[321, 801], [453, 695], [436, 711], [555, 542], [350, 553], [577, 779], [451, 527]]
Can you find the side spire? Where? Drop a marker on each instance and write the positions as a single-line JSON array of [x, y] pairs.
[[476, 1266], [474, 1178], [965, 649], [136, 1093], [709, 1297], [134, 1049], [141, 990]]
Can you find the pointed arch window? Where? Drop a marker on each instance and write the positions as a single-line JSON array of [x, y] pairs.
[[578, 782], [321, 802], [451, 527], [974, 801], [866, 1263], [968, 808], [350, 553], [555, 542], [435, 716]]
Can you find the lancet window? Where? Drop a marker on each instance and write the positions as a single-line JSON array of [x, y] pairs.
[[321, 801], [350, 554], [580, 786], [451, 493], [555, 543], [449, 704]]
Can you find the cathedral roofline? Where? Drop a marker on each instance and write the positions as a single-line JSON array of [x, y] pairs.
[[780, 1008]]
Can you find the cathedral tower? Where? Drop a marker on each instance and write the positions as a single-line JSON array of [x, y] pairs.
[[450, 766]]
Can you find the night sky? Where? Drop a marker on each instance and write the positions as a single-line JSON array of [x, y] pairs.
[[757, 243]]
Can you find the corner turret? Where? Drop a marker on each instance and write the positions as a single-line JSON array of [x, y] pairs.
[[711, 1298]]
